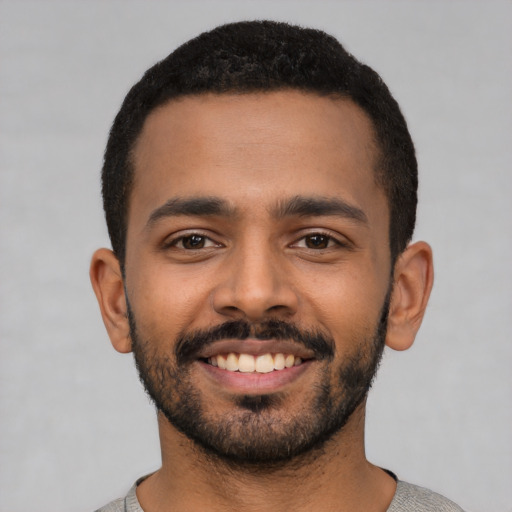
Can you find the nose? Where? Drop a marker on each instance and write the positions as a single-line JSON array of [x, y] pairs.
[[255, 285]]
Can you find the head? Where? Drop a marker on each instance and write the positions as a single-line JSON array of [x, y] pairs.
[[260, 192], [265, 56]]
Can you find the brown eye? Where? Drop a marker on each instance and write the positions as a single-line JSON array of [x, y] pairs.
[[193, 242], [317, 241]]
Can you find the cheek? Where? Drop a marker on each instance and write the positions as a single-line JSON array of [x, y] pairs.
[[166, 301], [345, 302]]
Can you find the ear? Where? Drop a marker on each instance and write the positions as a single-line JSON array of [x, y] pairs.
[[413, 279], [107, 282]]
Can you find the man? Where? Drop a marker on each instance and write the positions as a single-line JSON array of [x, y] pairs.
[[260, 186]]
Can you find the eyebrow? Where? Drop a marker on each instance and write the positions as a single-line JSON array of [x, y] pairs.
[[298, 206], [194, 206], [319, 206]]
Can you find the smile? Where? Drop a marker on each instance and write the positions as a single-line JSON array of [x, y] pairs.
[[252, 366], [248, 363]]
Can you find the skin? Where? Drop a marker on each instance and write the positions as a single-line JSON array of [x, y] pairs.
[[254, 152]]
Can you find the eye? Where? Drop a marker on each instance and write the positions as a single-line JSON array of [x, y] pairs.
[[193, 242], [316, 241]]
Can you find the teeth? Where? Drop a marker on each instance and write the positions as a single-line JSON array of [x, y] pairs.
[[247, 363], [221, 361], [232, 362], [264, 363], [279, 362]]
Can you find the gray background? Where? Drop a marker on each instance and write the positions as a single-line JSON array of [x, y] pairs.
[[75, 426]]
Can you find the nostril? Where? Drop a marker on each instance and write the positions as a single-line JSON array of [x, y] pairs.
[[254, 290]]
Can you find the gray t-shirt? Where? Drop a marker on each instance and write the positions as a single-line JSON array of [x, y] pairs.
[[408, 498]]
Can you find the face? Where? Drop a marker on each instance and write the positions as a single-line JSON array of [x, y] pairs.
[[257, 269]]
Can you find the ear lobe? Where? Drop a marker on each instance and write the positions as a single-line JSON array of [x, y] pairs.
[[413, 279], [107, 282]]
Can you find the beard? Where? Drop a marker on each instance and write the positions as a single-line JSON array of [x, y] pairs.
[[257, 432]]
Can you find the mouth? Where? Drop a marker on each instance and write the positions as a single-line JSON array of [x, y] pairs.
[[249, 363], [254, 366]]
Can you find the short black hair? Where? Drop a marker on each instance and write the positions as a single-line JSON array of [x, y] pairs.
[[255, 56]]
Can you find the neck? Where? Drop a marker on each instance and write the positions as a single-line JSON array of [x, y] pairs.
[[336, 476]]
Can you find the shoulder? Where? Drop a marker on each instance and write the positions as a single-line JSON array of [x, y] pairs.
[[409, 497], [130, 503], [114, 506]]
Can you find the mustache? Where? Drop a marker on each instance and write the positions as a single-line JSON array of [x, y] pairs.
[[189, 344]]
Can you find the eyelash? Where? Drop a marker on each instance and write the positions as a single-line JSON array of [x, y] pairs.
[[175, 241], [330, 240]]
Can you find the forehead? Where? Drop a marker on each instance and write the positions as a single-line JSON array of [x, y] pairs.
[[254, 148]]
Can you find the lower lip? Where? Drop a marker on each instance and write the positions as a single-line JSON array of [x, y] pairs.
[[254, 383]]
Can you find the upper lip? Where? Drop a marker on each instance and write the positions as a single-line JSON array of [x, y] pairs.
[[255, 347]]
